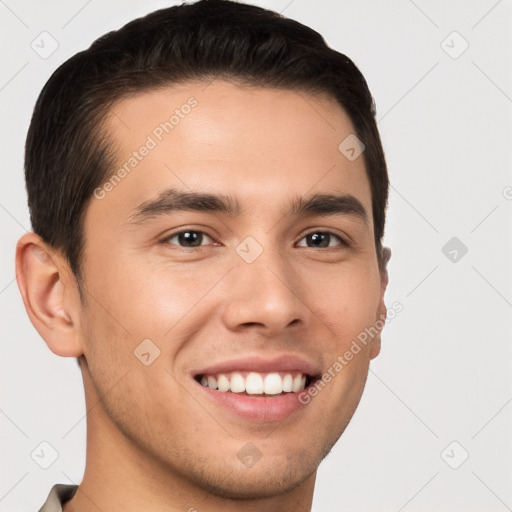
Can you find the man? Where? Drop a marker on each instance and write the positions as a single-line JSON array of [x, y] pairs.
[[207, 190]]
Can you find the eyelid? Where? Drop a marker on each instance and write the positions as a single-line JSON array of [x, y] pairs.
[[165, 239], [343, 240]]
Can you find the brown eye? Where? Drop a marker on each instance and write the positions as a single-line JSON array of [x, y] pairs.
[[187, 238], [322, 239]]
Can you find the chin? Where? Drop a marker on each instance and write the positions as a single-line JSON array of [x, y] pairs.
[[263, 480], [272, 475]]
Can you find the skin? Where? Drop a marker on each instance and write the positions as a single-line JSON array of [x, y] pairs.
[[153, 441]]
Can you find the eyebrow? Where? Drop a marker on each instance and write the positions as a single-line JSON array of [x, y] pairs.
[[173, 200], [328, 204]]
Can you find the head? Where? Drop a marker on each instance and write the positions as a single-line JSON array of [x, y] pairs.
[[194, 208]]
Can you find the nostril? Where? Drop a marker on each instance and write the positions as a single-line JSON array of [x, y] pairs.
[[252, 324]]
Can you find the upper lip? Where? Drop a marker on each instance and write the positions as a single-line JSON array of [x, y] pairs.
[[281, 363]]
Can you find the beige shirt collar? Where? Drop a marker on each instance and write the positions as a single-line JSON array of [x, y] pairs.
[[59, 494]]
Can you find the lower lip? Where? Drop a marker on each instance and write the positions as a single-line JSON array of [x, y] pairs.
[[256, 408]]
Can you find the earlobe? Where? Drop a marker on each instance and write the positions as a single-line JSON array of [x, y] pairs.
[[47, 290]]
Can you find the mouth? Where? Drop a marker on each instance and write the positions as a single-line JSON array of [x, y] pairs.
[[256, 388], [256, 384]]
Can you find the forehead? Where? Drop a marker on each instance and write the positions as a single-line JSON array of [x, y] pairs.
[[252, 143]]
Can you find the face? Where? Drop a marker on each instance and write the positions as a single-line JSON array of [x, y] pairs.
[[256, 286]]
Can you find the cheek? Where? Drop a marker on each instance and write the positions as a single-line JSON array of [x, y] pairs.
[[347, 305], [345, 299], [150, 300]]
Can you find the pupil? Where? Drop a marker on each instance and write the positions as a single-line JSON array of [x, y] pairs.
[[190, 238], [320, 239]]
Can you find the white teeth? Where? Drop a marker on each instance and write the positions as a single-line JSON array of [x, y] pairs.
[[273, 384], [297, 382], [223, 383], [287, 383], [255, 383], [237, 383]]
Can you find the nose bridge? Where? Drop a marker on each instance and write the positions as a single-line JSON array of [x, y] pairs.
[[263, 290]]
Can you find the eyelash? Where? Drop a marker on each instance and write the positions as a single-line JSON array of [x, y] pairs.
[[342, 243]]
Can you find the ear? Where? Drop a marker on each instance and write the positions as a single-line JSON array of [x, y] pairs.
[[50, 294], [382, 311]]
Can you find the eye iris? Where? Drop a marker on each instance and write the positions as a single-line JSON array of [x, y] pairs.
[[190, 238], [319, 239]]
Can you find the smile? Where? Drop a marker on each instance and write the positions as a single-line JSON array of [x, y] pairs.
[[256, 383], [257, 388]]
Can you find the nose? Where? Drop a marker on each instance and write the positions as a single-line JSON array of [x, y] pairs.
[[264, 296]]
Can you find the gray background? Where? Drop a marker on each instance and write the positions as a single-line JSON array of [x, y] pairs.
[[443, 375]]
